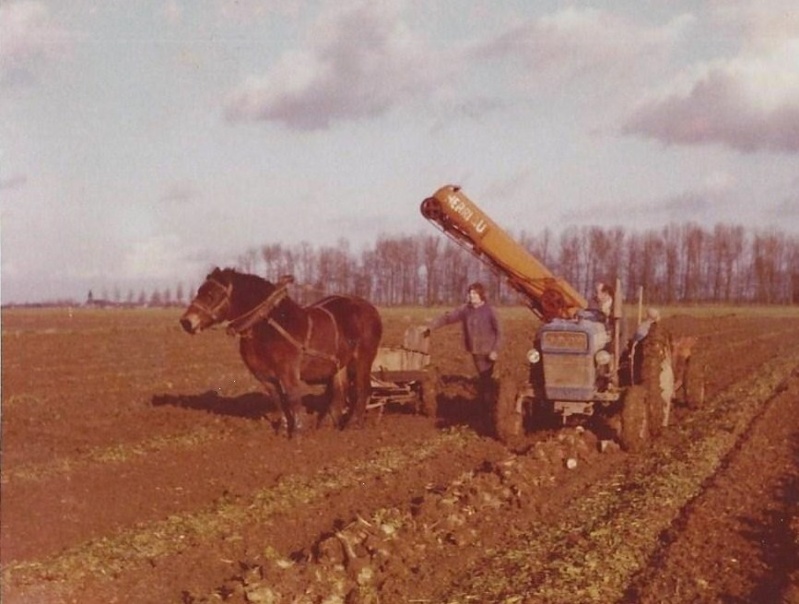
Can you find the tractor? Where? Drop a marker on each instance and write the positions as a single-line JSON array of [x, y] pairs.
[[579, 364]]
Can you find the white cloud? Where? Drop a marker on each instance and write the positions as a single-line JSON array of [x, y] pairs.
[[245, 11], [748, 104], [172, 11], [761, 25], [362, 60], [713, 199], [720, 182], [29, 37], [15, 181], [584, 42], [158, 257], [180, 192], [748, 101], [787, 209]]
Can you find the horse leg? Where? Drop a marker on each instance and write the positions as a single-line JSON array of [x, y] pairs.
[[331, 410], [291, 404], [294, 419], [337, 390], [361, 374]]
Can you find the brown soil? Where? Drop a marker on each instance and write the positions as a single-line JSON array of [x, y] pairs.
[[142, 465]]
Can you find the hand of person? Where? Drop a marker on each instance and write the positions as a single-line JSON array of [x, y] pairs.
[[493, 356], [426, 332]]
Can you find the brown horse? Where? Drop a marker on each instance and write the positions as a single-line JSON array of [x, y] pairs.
[[290, 348]]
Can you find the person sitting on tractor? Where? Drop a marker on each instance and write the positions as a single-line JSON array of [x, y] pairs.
[[652, 316], [604, 298], [632, 357], [601, 307]]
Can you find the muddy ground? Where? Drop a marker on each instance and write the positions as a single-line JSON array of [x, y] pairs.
[[140, 464]]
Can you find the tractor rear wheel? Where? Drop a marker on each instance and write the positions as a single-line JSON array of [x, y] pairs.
[[634, 419], [658, 379]]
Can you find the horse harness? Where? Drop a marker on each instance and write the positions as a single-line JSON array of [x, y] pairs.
[[243, 324]]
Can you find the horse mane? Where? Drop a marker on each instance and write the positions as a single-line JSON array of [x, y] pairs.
[[249, 286], [252, 288]]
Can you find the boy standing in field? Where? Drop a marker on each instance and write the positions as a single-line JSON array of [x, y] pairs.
[[481, 335]]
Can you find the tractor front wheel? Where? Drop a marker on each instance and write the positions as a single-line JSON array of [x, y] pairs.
[[507, 413]]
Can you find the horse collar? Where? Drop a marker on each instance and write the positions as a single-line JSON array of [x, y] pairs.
[[244, 322]]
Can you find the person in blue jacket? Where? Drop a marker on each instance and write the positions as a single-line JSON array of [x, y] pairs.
[[481, 335]]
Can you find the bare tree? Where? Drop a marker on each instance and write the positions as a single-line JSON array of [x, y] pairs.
[[615, 255], [270, 254], [693, 239], [768, 267], [370, 266], [155, 299], [679, 262], [671, 249], [305, 269], [246, 261], [600, 253], [726, 250], [569, 259], [656, 268], [431, 249]]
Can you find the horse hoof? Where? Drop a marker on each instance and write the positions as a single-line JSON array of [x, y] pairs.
[[358, 423], [328, 421]]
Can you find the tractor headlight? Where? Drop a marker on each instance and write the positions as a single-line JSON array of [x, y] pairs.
[[602, 357], [533, 356]]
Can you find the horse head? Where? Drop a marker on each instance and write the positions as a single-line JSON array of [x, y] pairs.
[[212, 303]]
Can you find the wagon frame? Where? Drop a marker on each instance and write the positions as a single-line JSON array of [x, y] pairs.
[[402, 375]]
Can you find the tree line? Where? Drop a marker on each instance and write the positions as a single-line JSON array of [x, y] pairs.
[[679, 263]]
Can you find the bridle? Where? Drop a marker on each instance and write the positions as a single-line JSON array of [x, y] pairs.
[[215, 312]]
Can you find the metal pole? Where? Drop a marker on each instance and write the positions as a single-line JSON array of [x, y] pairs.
[[640, 303]]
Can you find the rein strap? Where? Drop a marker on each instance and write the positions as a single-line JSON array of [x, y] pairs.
[[303, 347]]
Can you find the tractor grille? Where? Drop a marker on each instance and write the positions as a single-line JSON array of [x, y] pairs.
[[569, 376]]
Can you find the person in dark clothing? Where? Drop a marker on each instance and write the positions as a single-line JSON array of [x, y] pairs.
[[481, 335], [600, 307], [652, 317], [604, 299]]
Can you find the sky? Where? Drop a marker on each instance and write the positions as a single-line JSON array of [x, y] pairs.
[[142, 143]]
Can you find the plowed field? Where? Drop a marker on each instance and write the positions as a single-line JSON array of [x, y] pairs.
[[140, 464]]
